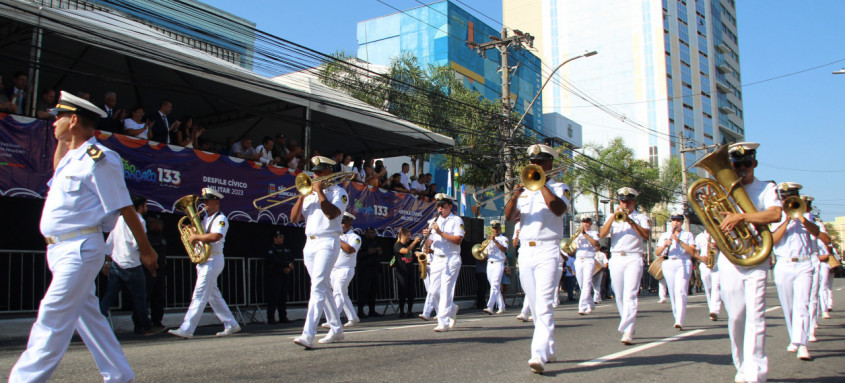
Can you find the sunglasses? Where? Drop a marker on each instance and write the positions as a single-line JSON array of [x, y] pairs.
[[743, 164]]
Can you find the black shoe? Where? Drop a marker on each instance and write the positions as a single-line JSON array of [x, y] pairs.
[[361, 315], [375, 314], [151, 331], [401, 314], [272, 322], [285, 320]]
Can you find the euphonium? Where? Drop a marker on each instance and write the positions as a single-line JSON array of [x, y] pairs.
[[794, 207], [478, 250], [200, 251], [709, 199]]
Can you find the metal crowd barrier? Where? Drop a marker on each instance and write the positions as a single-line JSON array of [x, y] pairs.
[[241, 283]]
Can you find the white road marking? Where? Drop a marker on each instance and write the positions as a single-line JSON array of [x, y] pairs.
[[773, 308], [644, 347], [839, 289]]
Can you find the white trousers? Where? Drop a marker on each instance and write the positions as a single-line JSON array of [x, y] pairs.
[[743, 291], [558, 277], [206, 291], [710, 280], [825, 287], [584, 275], [431, 300], [662, 290], [625, 275], [444, 276], [70, 304], [597, 281], [539, 274], [676, 272], [814, 297], [794, 281], [341, 277], [495, 269], [319, 256]]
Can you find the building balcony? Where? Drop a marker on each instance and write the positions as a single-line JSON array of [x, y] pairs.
[[722, 87]]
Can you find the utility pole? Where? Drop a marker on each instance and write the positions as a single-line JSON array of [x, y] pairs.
[[503, 44], [683, 152]]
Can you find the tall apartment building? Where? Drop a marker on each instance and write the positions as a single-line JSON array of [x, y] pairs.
[[664, 67]]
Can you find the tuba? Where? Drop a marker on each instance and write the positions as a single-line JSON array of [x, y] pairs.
[[198, 252], [709, 199]]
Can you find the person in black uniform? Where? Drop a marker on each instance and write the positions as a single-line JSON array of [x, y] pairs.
[[369, 260], [406, 273], [155, 284], [279, 265]]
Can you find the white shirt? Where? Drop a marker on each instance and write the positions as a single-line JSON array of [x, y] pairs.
[[601, 258], [216, 223], [415, 185], [763, 194], [405, 180], [131, 124], [237, 148], [123, 246], [570, 267], [675, 249], [85, 193], [265, 155], [583, 247], [494, 253], [623, 237], [796, 241], [316, 222], [452, 225], [702, 243], [537, 222], [345, 259]]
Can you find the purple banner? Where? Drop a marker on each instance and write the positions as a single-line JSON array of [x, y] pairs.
[[164, 173]]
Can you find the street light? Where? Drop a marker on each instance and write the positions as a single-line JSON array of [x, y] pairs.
[[841, 71], [528, 109]]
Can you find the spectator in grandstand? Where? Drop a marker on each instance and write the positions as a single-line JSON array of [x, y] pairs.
[[46, 101], [18, 93], [358, 168], [395, 184], [280, 150], [404, 177], [243, 149], [163, 128], [432, 190], [381, 172], [185, 132], [84, 95], [297, 155], [136, 125], [6, 105], [338, 159], [370, 178], [265, 152], [418, 185], [227, 147], [346, 165], [113, 122]]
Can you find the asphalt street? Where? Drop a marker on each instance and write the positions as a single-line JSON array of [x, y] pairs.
[[480, 348]]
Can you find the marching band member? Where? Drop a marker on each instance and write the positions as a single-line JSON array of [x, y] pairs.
[[541, 229], [626, 258], [206, 291], [819, 253], [344, 269], [794, 245], [585, 263], [323, 211], [444, 249], [598, 278], [709, 278], [744, 288], [87, 193], [496, 258], [677, 266]]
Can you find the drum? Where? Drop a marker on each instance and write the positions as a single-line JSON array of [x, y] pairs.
[[597, 268], [656, 268]]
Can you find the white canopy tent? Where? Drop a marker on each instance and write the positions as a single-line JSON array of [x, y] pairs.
[[98, 51]]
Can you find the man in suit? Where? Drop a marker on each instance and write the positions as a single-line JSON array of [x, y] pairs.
[[113, 122], [163, 126], [18, 93]]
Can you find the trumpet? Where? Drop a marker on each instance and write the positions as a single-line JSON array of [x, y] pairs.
[[302, 184], [532, 177], [794, 207], [620, 216]]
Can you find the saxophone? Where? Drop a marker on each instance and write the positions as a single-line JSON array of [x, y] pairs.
[[422, 257]]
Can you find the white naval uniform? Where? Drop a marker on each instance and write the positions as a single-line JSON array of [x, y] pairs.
[[825, 280], [495, 268], [601, 258], [85, 196], [743, 292], [431, 297], [322, 247], [540, 263], [814, 308], [585, 264], [676, 272], [626, 268], [445, 266], [206, 290], [794, 277], [341, 277], [709, 278]]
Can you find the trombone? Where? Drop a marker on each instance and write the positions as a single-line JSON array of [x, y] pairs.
[[532, 178], [303, 185]]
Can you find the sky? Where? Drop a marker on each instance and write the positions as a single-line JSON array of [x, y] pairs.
[[797, 118]]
